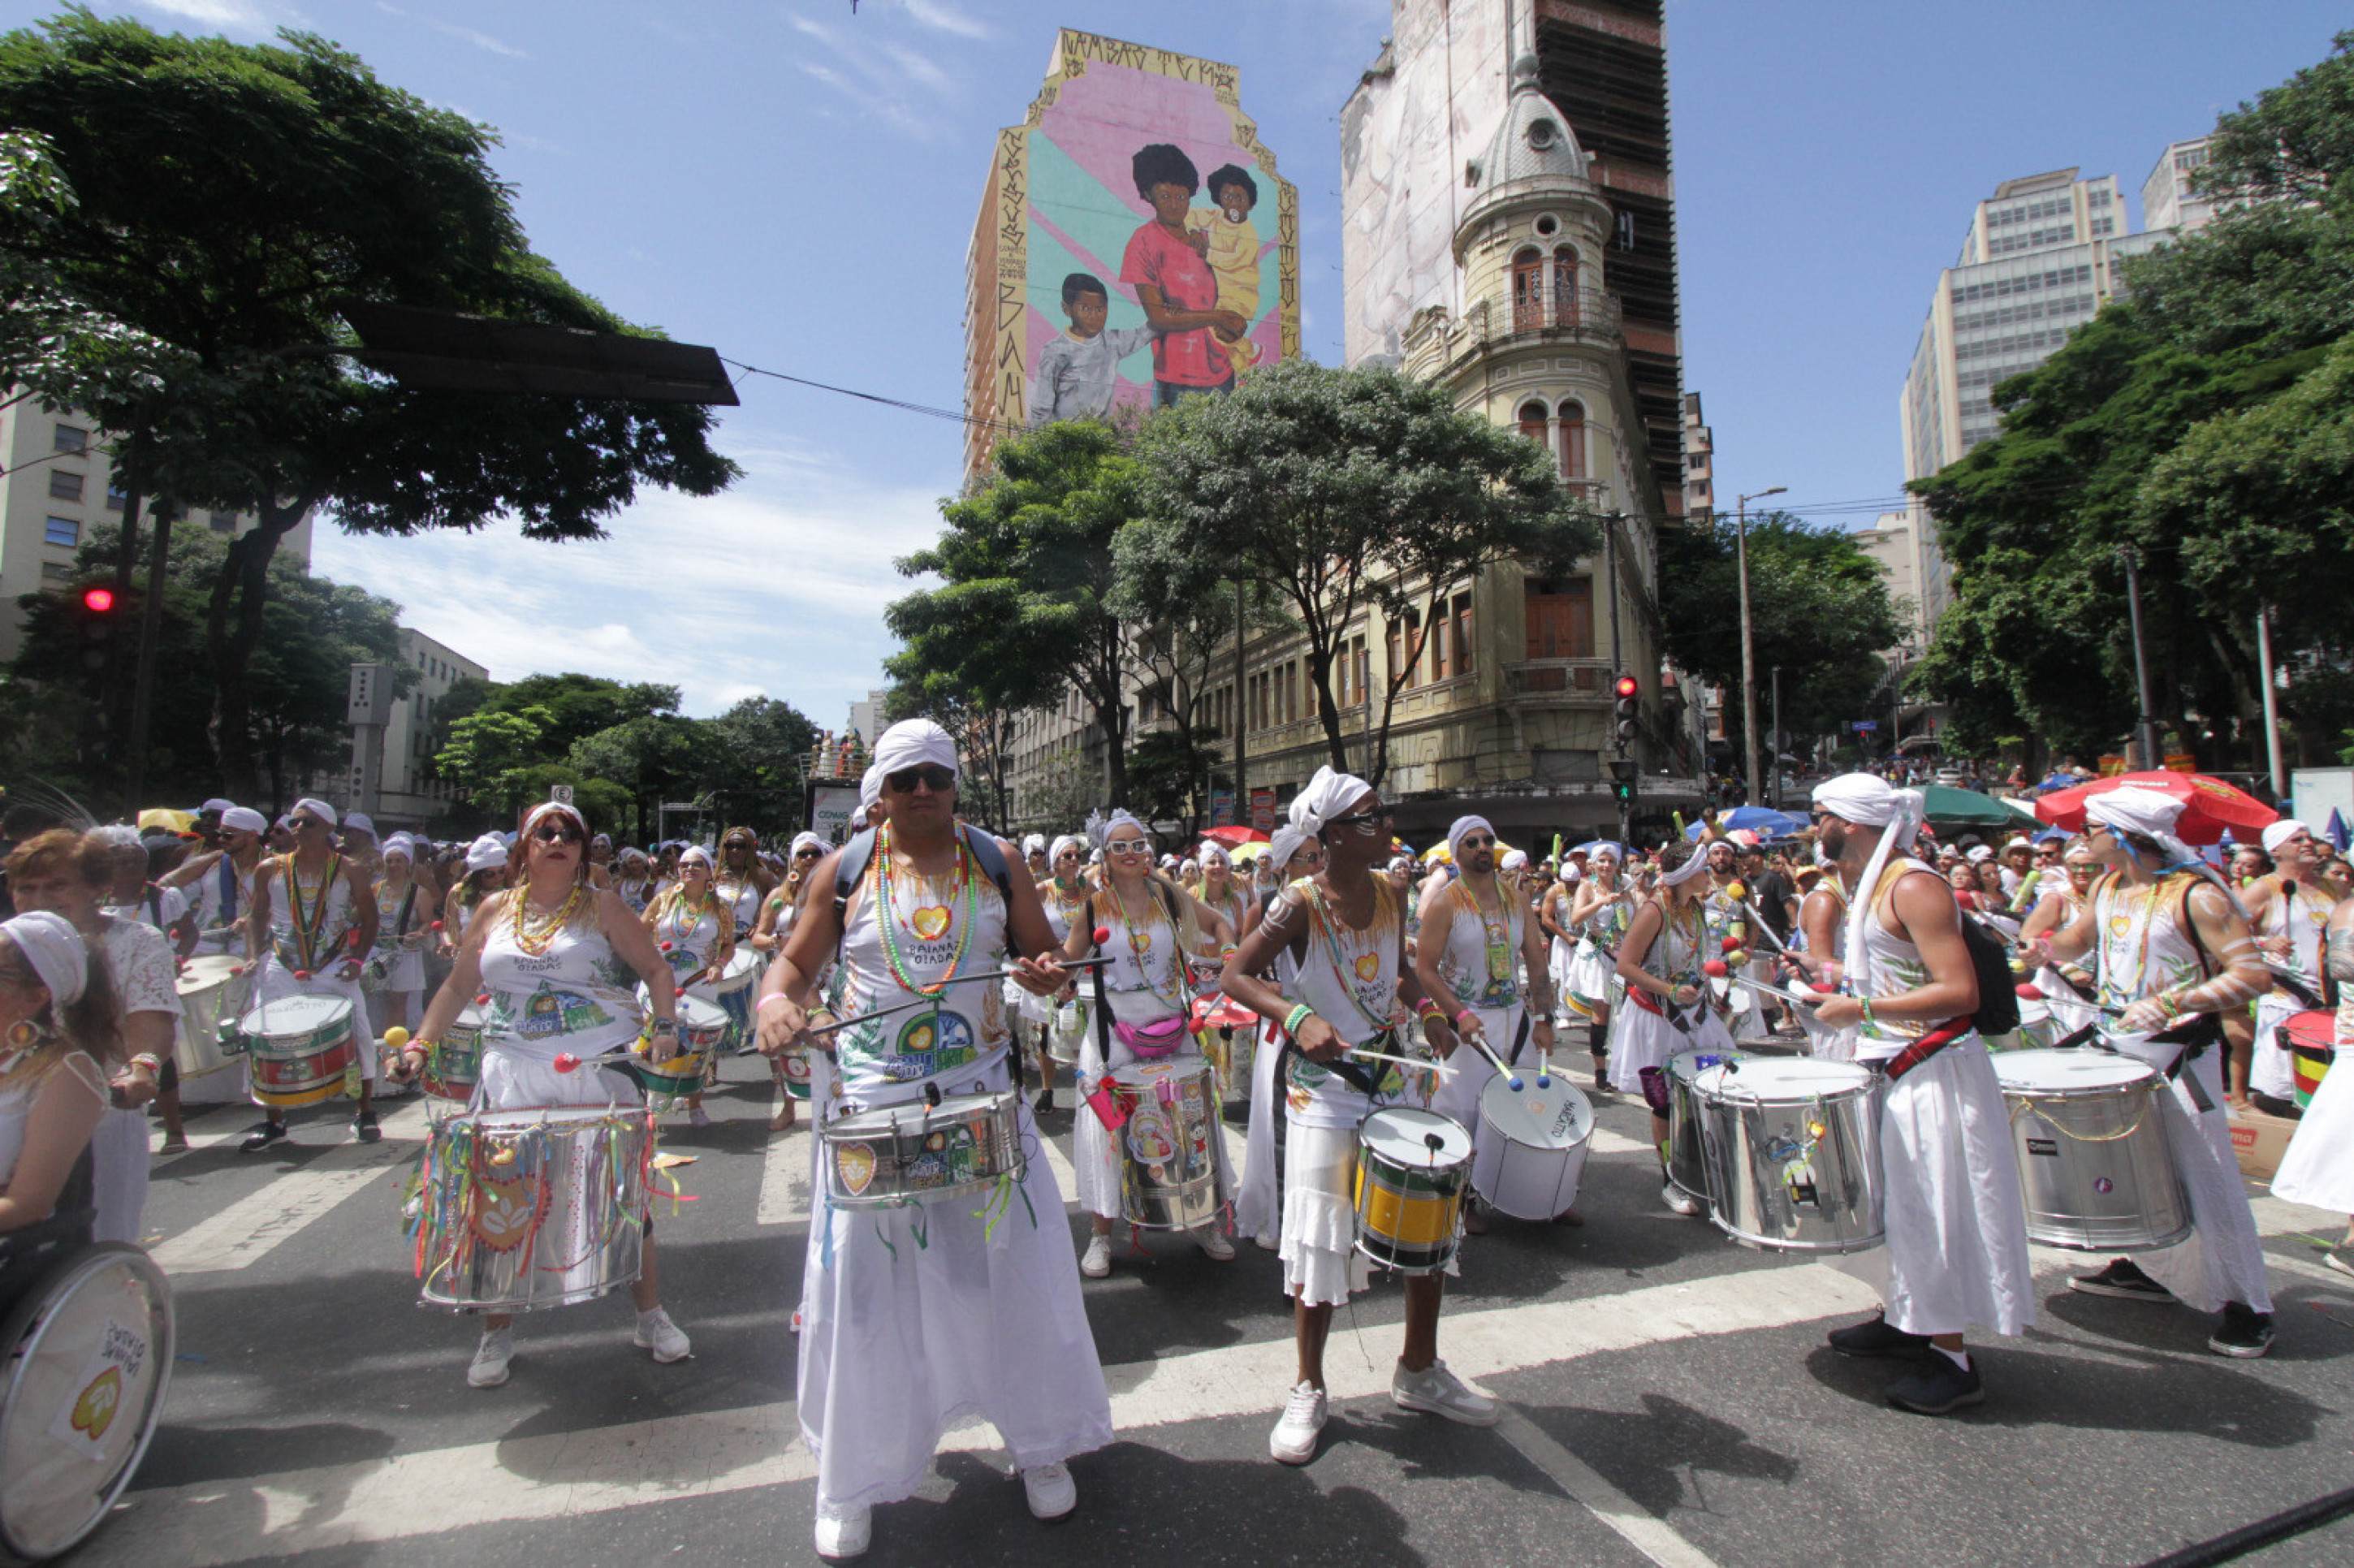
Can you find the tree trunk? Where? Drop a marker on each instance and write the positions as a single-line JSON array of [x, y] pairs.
[[243, 589]]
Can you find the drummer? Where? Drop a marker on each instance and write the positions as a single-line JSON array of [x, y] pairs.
[[1600, 910], [899, 1340], [1957, 1230], [1660, 962], [1813, 958], [1258, 1212], [486, 874], [313, 915], [553, 935], [2288, 910], [2067, 989], [403, 903], [741, 881], [1476, 936], [59, 1039], [1345, 931], [221, 884], [1145, 1002], [2174, 954], [696, 930], [2318, 1169], [768, 933], [1063, 894]]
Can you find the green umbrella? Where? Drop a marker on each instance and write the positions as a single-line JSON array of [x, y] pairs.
[[1949, 807]]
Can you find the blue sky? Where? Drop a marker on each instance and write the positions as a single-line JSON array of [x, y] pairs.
[[796, 185]]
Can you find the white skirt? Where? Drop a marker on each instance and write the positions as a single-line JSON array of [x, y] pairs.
[[2270, 1070], [1641, 1038], [905, 1340], [1258, 1205], [1457, 1097], [513, 1081], [1956, 1257], [1592, 981], [2318, 1169], [2224, 1258], [1321, 1264]]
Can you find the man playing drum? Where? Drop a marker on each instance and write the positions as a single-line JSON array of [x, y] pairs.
[[2288, 910], [220, 885], [914, 1318], [312, 921], [1956, 1253], [1345, 931]]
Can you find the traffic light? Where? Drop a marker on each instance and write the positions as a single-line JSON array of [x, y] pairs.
[[98, 619], [1622, 781], [1629, 693]]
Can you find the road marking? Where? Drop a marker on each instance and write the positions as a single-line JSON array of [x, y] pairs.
[[1067, 1179], [1605, 1141], [256, 1225], [785, 1180], [1645, 1531], [565, 1473]]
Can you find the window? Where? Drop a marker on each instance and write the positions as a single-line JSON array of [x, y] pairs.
[[62, 532], [64, 486], [1528, 291], [51, 572], [1405, 652], [70, 439], [1441, 648], [1361, 662], [115, 499], [223, 522], [1560, 619], [1565, 287], [1572, 440], [1463, 657], [1532, 422]]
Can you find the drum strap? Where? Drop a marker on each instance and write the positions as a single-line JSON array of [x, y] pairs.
[[1353, 1074], [2194, 1038], [1520, 1038], [1928, 1046]]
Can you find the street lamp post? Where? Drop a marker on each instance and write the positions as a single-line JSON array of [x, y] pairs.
[[1748, 646], [2146, 722]]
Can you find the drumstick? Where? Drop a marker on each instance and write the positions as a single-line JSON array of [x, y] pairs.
[[1769, 989], [1441, 1068]]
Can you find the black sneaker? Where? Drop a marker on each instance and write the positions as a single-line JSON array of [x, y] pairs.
[[262, 1136], [1044, 1102], [2244, 1334], [1876, 1337], [365, 1128], [2123, 1279], [1936, 1386]]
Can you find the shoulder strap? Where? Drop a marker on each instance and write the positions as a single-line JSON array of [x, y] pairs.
[[227, 868], [156, 906], [992, 859], [849, 870]]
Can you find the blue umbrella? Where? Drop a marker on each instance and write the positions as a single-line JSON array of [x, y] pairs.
[[2053, 836], [1766, 822], [2057, 780]]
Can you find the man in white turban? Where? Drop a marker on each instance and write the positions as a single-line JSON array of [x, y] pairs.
[[2158, 928], [219, 885], [1956, 1252], [2288, 908]]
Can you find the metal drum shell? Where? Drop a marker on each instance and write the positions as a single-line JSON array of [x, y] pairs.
[[913, 1153], [1794, 1155], [306, 1058], [2096, 1167], [1409, 1201], [1062, 1039], [455, 1063], [1688, 1167], [578, 1172], [1150, 1198], [214, 989], [1530, 1150]]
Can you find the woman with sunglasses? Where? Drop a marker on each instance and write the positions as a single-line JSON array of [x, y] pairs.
[[313, 921], [696, 931], [1660, 960], [485, 868], [1600, 913], [1064, 895], [1147, 989], [60, 1039], [769, 934], [742, 881], [553, 932], [1258, 1211]]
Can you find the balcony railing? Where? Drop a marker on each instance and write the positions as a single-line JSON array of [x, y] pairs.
[[1558, 678], [1577, 314]]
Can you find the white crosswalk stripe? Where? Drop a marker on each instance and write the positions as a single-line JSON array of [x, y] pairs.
[[258, 1224]]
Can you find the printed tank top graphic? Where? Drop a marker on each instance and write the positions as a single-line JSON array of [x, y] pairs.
[[687, 938], [2144, 946], [578, 996], [334, 928], [938, 925], [1349, 979], [1143, 982], [1480, 961]]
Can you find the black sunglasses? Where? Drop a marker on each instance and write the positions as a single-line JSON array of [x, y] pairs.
[[1362, 821], [807, 853], [557, 833], [931, 775]]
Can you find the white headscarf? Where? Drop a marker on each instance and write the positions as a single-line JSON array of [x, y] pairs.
[[215, 804], [485, 854], [1063, 841], [317, 808], [1326, 796], [694, 852], [1514, 860], [116, 835], [1212, 850], [804, 840], [1119, 814], [55, 950], [2280, 833], [2132, 809], [1869, 800], [1285, 842], [545, 807], [1032, 843], [1465, 825], [400, 844], [911, 742], [360, 823], [245, 820], [870, 789], [1693, 865]]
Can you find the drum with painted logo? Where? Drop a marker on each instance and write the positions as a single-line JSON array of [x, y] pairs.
[[1169, 1145], [523, 1210], [2096, 1167], [298, 1049], [704, 1030], [1413, 1169], [213, 989], [1531, 1146], [1793, 1153], [917, 1152], [455, 1062]]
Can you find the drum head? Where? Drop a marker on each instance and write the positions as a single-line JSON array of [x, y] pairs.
[[2030, 1013], [205, 971], [2315, 1030], [293, 1015], [87, 1356], [1557, 1115], [1688, 1065], [2068, 1072], [1398, 1135], [740, 966], [1780, 1078]]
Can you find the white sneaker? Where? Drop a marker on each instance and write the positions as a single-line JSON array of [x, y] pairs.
[[657, 1333], [1051, 1492], [1293, 1441], [843, 1532], [1214, 1243], [1096, 1261], [1266, 1240], [489, 1368], [1678, 1200], [1441, 1392]]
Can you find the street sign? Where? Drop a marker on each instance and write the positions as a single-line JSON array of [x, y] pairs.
[[561, 794], [1864, 726]]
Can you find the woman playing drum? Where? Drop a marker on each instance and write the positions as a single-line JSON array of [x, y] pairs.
[[395, 969], [559, 959], [2319, 1166], [767, 940], [696, 934], [1660, 962], [1600, 913], [1258, 1211], [1064, 895]]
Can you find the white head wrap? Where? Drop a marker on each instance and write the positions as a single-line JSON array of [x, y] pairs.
[[546, 808], [1063, 841], [1119, 814], [1285, 842], [485, 854], [802, 841], [1694, 865], [2151, 813], [507, 839], [2280, 833], [215, 804], [116, 835], [1869, 802], [1515, 859], [245, 820], [870, 789], [2078, 848], [55, 950], [1187, 867], [317, 808], [1032, 843], [1611, 847], [694, 852], [1464, 825], [1864, 799], [400, 844], [911, 742], [359, 822], [1979, 854], [1213, 852], [1328, 794]]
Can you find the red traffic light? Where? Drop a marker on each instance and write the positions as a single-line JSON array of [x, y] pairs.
[[97, 600], [1627, 686]]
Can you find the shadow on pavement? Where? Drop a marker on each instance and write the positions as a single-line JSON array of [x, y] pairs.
[[1687, 1440]]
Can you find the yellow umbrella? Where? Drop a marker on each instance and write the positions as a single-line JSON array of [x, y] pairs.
[[1242, 853], [161, 819]]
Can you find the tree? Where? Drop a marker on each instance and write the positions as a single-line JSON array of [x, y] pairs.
[[650, 757], [1168, 781], [1025, 563], [754, 757], [1337, 492], [982, 728], [491, 756], [1818, 607], [240, 264], [576, 706]]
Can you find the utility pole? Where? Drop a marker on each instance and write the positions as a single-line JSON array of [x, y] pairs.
[[151, 633], [1242, 718], [1775, 740], [1748, 644], [2272, 712], [2146, 722]]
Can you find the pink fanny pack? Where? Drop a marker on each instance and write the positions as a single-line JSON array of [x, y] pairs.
[[1150, 1042]]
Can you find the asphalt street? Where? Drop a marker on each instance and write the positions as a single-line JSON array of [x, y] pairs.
[[1671, 1397]]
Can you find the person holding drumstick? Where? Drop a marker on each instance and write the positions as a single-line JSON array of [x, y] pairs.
[[696, 933], [769, 934], [1667, 1011], [555, 932], [897, 1339], [1345, 931], [1064, 895], [1599, 911], [313, 919], [1258, 1212]]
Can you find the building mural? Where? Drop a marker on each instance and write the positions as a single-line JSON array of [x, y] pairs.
[[1135, 244]]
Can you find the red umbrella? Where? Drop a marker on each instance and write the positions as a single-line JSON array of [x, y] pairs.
[[2211, 805], [1231, 836]]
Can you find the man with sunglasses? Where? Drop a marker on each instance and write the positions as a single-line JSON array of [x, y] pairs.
[[915, 1316], [313, 923], [2288, 910], [1344, 932]]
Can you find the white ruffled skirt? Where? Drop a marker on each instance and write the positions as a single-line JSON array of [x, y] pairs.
[[2318, 1169], [1641, 1038]]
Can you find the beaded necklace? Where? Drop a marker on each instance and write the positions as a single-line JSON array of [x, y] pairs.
[[1328, 921], [536, 942], [1499, 935], [684, 917], [889, 916], [309, 925], [1139, 945]]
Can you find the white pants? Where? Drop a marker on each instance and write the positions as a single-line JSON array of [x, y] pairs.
[[2319, 1166]]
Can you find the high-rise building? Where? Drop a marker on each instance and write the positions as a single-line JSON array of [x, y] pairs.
[[57, 485], [409, 795], [2168, 200]]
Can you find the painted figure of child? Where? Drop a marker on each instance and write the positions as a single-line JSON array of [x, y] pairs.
[[1077, 370], [1232, 247]]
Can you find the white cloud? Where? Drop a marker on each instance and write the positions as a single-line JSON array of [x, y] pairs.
[[474, 36], [884, 78], [241, 16], [944, 17]]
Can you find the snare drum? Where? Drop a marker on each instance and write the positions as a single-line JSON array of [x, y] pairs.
[[213, 989], [1793, 1153], [299, 1049], [2037, 1027], [1531, 1146], [536, 1208], [919, 1153], [1413, 1167], [1065, 1034], [2094, 1164], [731, 991], [456, 1060], [702, 1030], [1169, 1145], [85, 1357], [1688, 1163], [2309, 1038]]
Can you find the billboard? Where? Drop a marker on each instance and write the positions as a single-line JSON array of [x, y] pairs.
[[1136, 244]]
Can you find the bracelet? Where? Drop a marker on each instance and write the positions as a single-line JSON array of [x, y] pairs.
[[1461, 1014], [666, 1026], [762, 1005], [148, 1060], [2170, 1002], [1426, 1010], [1869, 1021], [1291, 1022], [420, 1047]]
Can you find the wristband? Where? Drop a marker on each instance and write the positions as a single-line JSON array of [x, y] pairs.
[[1869, 1021], [1291, 1019], [665, 1026], [148, 1060], [1461, 1014], [1426, 1008], [762, 1005]]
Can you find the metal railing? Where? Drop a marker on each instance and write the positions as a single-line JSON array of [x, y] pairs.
[[1558, 677], [1588, 314]]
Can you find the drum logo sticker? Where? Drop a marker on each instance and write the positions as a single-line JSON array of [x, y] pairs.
[[1152, 1140], [83, 1422], [854, 1163], [2049, 1146], [507, 1212]]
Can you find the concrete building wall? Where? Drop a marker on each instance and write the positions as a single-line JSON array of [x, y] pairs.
[[2168, 200], [408, 796]]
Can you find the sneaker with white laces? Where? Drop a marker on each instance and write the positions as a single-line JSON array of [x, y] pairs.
[[843, 1532], [1293, 1441], [489, 1367], [1095, 1263], [657, 1333], [1051, 1492], [1214, 1243], [1441, 1393]]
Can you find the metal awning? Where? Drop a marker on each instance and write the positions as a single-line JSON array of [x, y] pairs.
[[447, 351]]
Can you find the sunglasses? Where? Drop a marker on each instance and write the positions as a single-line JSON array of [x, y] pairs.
[[931, 775], [306, 820], [557, 833], [807, 853], [1474, 844], [1365, 822], [1130, 846]]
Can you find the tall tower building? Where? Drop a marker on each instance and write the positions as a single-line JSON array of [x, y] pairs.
[[2167, 200]]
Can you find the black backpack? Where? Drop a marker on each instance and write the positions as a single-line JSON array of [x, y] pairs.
[[1997, 1010], [860, 850]]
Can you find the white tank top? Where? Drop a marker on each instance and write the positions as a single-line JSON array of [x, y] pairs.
[[687, 938], [1062, 907], [937, 928], [325, 936], [1481, 961], [743, 901], [1145, 980], [1609, 922], [1675, 952], [2300, 919], [1349, 979], [1892, 966], [2144, 947], [574, 995]]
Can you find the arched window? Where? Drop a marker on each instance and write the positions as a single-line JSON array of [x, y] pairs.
[[1528, 290], [1532, 422], [1565, 287], [1573, 440]]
